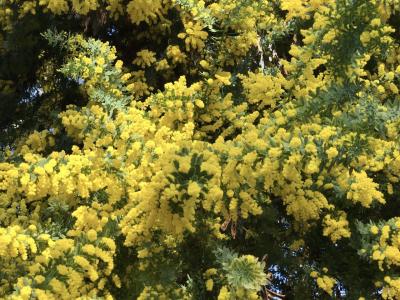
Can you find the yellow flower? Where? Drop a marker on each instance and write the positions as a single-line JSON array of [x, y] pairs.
[[89, 249], [118, 64], [143, 253], [205, 64], [25, 293], [39, 279], [314, 274], [337, 228], [329, 37], [199, 103], [194, 189], [91, 235], [145, 58], [224, 294], [378, 255], [98, 70], [326, 283], [332, 152], [374, 229], [223, 77], [364, 190], [210, 272], [209, 284], [194, 36], [381, 89], [295, 142], [62, 269]]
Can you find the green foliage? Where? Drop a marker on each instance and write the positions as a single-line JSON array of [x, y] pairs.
[[242, 272]]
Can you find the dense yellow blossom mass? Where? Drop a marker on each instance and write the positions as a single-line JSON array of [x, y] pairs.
[[241, 130]]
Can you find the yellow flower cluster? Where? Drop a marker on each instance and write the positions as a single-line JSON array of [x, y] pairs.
[[226, 294], [144, 58], [364, 190], [161, 292], [324, 282], [194, 36], [15, 243], [137, 10], [262, 88], [336, 229], [144, 10], [222, 140], [384, 249], [76, 267]]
